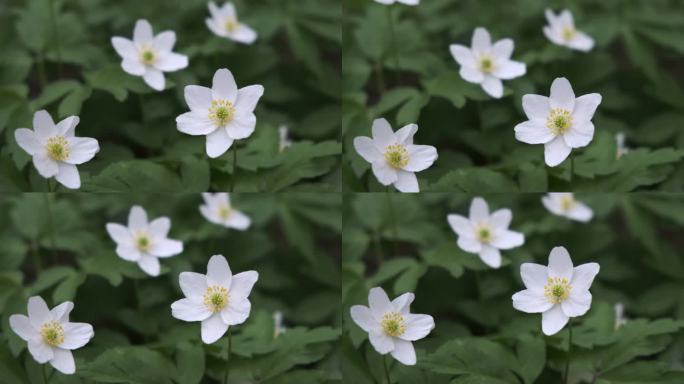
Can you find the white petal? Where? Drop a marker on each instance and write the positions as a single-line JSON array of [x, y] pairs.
[[241, 127], [529, 301], [552, 205], [195, 124], [583, 275], [562, 95], [490, 256], [159, 227], [404, 135], [382, 134], [493, 86], [579, 135], [67, 126], [533, 132], [505, 239], [380, 341], [218, 271], [577, 304], [402, 303], [150, 265], [83, 149], [154, 78], [63, 361], [128, 252], [501, 218], [218, 142], [536, 107], [556, 151], [560, 264], [407, 182], [404, 353], [166, 247], [363, 318], [242, 283], [45, 166], [137, 218], [503, 49], [580, 212], [38, 311], [238, 220], [171, 62], [190, 310], [198, 98], [133, 67], [510, 70], [463, 55], [553, 36], [41, 352], [417, 326], [379, 303], [585, 107], [581, 42], [142, 33], [236, 312], [469, 244], [213, 26], [460, 225], [565, 18], [479, 210], [223, 86], [421, 157], [76, 335], [244, 34], [214, 10], [534, 276], [481, 40], [125, 48], [471, 74], [27, 140], [62, 311], [553, 320], [385, 174], [43, 125], [365, 148], [213, 329], [21, 325], [247, 98], [164, 41], [193, 284], [68, 176]]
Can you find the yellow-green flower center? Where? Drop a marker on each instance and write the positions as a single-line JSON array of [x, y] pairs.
[[231, 25], [216, 298], [52, 333], [559, 121], [393, 324], [567, 203], [396, 155], [221, 112], [142, 242], [225, 211], [484, 234], [147, 56], [557, 289], [568, 33], [58, 148], [486, 64]]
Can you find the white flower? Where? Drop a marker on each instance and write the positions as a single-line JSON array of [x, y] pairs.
[[217, 209], [224, 23], [223, 112], [144, 242], [406, 2], [55, 149], [283, 138], [148, 55], [560, 122], [393, 156], [561, 31], [486, 63], [50, 335], [622, 149], [557, 292], [620, 318], [278, 327], [564, 204], [390, 325], [217, 299], [485, 234]]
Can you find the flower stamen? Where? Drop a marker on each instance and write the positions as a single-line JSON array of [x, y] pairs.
[[216, 298], [396, 155], [484, 234], [58, 148], [567, 203], [52, 333], [557, 289], [568, 33], [231, 25], [221, 112], [147, 56], [393, 324], [142, 242], [487, 64], [225, 211], [559, 121]]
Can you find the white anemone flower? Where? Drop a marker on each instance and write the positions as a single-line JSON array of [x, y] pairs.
[[50, 335], [622, 148], [148, 55], [620, 318], [144, 242], [284, 140], [224, 23], [405, 2], [564, 204], [558, 291], [561, 31], [486, 63], [390, 325], [218, 210], [278, 327], [223, 112], [55, 149], [560, 122], [393, 156], [485, 234], [218, 299]]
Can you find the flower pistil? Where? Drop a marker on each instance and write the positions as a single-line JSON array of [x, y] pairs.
[[52, 333], [396, 155], [216, 298], [557, 289], [221, 112], [559, 121], [393, 324], [58, 148]]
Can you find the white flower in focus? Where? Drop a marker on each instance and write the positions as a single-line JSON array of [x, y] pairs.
[[148, 55], [564, 204], [223, 112], [144, 242], [218, 210], [560, 122], [217, 299], [50, 335], [393, 156], [284, 140], [561, 31], [55, 149], [622, 149], [224, 23], [485, 234], [390, 325], [486, 63], [406, 2], [620, 318], [558, 291], [278, 327]]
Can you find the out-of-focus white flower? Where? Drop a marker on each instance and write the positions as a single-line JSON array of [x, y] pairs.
[[50, 335], [224, 23], [620, 318], [487, 64], [622, 149], [148, 55], [278, 327], [218, 210], [144, 242], [283, 138], [390, 325], [561, 31], [406, 2], [564, 204], [561, 122], [485, 234], [558, 291]]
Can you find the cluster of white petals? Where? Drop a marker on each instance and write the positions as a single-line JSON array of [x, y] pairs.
[[561, 31], [218, 210], [406, 2], [564, 204], [224, 23]]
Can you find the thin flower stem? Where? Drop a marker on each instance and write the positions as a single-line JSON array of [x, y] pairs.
[[572, 167], [36, 257], [379, 255], [567, 362], [384, 363], [230, 346], [393, 219], [395, 51], [42, 77], [232, 180], [380, 76], [51, 229], [55, 30]]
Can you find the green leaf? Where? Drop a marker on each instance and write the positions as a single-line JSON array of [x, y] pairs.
[[135, 365]]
